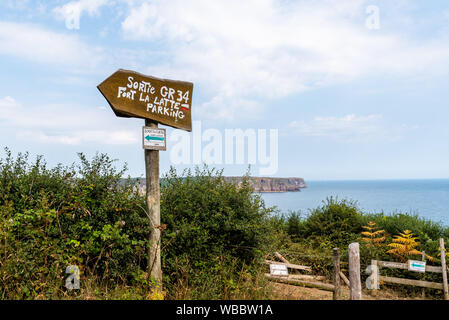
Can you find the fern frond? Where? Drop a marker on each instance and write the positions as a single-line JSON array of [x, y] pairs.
[[413, 252], [430, 258], [395, 245]]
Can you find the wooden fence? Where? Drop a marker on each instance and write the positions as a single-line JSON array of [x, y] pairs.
[[354, 281], [297, 279]]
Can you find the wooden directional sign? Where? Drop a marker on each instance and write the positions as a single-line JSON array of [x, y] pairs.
[[131, 94]]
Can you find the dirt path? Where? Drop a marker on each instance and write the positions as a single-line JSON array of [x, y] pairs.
[[289, 292]]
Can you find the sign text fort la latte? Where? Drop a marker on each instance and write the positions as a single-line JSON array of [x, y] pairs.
[[132, 94]]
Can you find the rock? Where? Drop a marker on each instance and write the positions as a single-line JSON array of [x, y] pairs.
[[265, 184]]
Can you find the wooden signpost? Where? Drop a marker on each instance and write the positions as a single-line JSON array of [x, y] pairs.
[[131, 94]]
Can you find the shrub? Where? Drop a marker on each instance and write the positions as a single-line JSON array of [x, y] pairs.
[[210, 222], [89, 216], [50, 218], [339, 222], [294, 225], [429, 232], [397, 222]]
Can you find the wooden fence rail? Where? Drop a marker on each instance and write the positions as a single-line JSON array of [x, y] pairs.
[[297, 279], [302, 283], [410, 282], [399, 265]]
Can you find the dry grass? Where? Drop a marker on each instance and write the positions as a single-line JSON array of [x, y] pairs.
[[283, 291]]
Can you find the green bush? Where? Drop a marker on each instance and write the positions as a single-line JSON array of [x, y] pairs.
[[216, 233], [339, 222], [210, 220], [82, 215], [294, 225], [398, 222], [89, 216]]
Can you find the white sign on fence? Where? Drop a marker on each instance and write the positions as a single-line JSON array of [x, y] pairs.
[[418, 266], [278, 270]]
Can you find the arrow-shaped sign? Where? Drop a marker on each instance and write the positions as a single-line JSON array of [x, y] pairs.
[[131, 94]]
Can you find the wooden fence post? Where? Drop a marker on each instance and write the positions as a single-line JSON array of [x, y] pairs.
[[336, 295], [423, 290], [443, 266], [374, 277], [280, 257], [355, 290]]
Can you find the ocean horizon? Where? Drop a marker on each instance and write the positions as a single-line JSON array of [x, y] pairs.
[[428, 198]]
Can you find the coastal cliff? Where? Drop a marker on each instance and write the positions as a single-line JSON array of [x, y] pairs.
[[264, 184], [260, 184]]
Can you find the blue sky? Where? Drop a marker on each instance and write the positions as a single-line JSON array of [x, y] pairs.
[[349, 102]]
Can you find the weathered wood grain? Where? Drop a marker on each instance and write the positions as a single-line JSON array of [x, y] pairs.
[[132, 94], [290, 265], [410, 282], [355, 289], [399, 265]]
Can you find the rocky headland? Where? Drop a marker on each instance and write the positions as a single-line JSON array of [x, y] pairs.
[[260, 184], [265, 184]]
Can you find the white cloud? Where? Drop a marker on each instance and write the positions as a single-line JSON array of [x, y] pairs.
[[37, 44], [349, 128], [72, 11], [103, 137], [228, 108], [8, 108], [65, 124], [271, 48], [17, 4]]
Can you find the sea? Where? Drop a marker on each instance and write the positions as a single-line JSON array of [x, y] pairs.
[[427, 198]]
